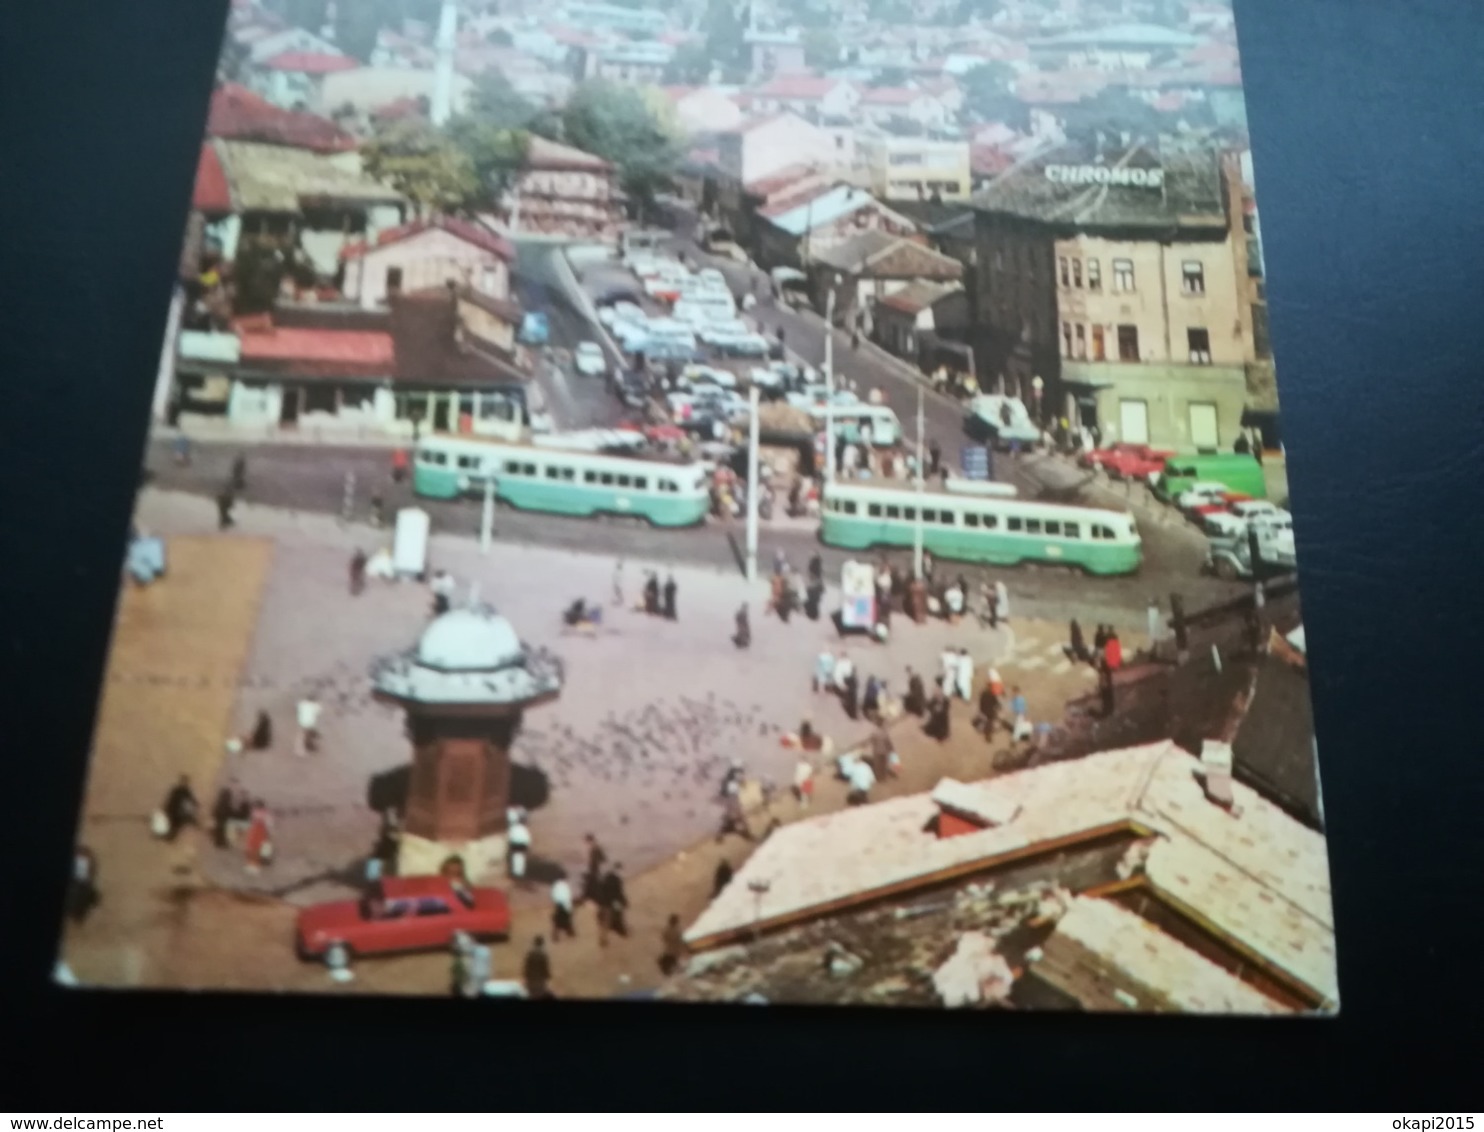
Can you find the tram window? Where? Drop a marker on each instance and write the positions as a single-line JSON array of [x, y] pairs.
[[873, 510], [1012, 523], [529, 469], [990, 522], [947, 518], [606, 479], [468, 462], [1101, 532], [1033, 526], [971, 519], [512, 468], [893, 512], [909, 513], [569, 474], [1071, 530], [589, 477], [1053, 527], [430, 457], [641, 482], [622, 481], [849, 506], [553, 473]]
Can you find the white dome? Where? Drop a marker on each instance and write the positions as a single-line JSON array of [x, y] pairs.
[[469, 640]]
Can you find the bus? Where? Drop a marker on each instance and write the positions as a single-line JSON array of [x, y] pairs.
[[662, 492], [975, 528], [851, 420]]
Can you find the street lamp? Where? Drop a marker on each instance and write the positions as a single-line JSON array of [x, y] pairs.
[[752, 477], [829, 386], [487, 515]]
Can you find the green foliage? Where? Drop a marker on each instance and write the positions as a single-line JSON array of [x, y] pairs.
[[359, 22], [494, 153], [821, 48], [496, 102], [724, 25], [616, 123], [891, 77], [422, 164], [689, 66], [987, 94]]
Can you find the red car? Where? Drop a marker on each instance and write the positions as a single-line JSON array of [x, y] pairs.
[[1220, 504], [403, 914], [1131, 461]]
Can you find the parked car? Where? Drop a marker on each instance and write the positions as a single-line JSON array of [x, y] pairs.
[[403, 914], [735, 338], [1250, 509], [815, 396], [694, 375], [1129, 461], [588, 359], [1200, 493], [1217, 503]]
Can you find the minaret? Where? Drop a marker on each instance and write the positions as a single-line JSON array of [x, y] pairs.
[[448, 27]]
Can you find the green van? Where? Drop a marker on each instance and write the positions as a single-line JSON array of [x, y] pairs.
[[1238, 471]]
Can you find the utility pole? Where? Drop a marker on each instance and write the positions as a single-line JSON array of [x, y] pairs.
[[487, 516], [917, 525], [752, 427], [515, 209], [829, 386]]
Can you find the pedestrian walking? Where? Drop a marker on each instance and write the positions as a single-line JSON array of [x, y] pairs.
[[721, 878], [618, 583], [850, 696], [537, 970], [1156, 623], [443, 587], [1076, 643], [592, 878], [257, 846], [804, 782], [871, 700], [239, 473], [935, 459], [357, 572], [672, 946], [964, 675], [938, 719], [82, 886], [518, 847], [224, 812], [742, 638], [225, 501], [855, 339], [669, 597], [1001, 600], [824, 671], [180, 808], [915, 702], [652, 594], [733, 816], [614, 903], [988, 718], [307, 715], [400, 461], [378, 512], [561, 910]]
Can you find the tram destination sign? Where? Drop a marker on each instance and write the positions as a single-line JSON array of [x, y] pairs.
[[1105, 175]]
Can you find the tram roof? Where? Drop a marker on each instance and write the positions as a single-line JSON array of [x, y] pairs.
[[910, 493]]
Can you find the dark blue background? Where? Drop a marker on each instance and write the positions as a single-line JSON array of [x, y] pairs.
[[1366, 119]]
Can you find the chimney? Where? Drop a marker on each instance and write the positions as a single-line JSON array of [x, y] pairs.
[[1216, 763], [448, 24]]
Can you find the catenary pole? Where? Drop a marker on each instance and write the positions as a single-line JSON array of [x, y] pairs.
[[752, 487], [829, 387], [917, 525]]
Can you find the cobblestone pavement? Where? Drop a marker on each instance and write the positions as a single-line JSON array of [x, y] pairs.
[[634, 749]]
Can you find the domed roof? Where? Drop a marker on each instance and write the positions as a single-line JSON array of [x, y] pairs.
[[469, 640]]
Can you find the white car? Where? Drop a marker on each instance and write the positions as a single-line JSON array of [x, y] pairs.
[[588, 359], [1200, 493], [707, 375], [813, 397], [1249, 509]]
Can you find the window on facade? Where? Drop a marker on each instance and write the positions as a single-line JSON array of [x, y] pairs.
[[1081, 344], [357, 396], [1099, 347], [394, 279], [999, 260], [1066, 339], [1076, 273], [1193, 277], [1128, 343], [1064, 270], [1199, 339], [321, 399], [1123, 275], [1094, 275]]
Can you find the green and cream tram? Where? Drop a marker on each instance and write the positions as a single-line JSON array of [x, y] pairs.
[[981, 527], [564, 482]]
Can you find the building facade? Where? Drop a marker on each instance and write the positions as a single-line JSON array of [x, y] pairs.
[[912, 169], [563, 191], [1112, 293]]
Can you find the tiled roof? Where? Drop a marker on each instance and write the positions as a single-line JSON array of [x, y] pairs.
[[425, 329], [240, 115], [476, 234], [891, 96], [1255, 875], [918, 296], [1190, 196], [212, 194], [798, 87], [317, 353], [827, 207], [275, 178], [773, 182], [1100, 949], [310, 62], [874, 253], [543, 153]]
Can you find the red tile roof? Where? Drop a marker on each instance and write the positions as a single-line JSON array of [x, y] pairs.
[[542, 153], [411, 106], [318, 353], [767, 186], [240, 115], [989, 160], [310, 62], [212, 193], [470, 233], [891, 96], [797, 86]]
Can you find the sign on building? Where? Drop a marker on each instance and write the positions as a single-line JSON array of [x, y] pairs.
[[1105, 175]]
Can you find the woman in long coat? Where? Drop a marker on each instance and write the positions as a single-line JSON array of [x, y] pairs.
[[258, 845]]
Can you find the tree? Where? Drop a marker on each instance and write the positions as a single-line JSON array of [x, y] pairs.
[[423, 165], [726, 43], [821, 48], [494, 153], [359, 23], [495, 102], [987, 93], [689, 66], [616, 124], [890, 77]]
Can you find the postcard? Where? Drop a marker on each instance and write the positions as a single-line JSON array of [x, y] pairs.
[[712, 502]]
